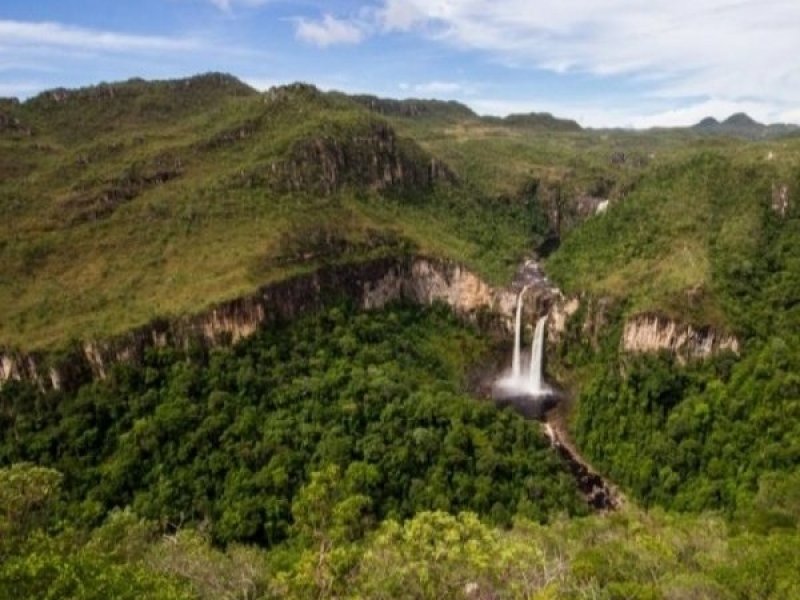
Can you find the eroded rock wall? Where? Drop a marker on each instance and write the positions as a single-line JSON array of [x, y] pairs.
[[371, 285], [653, 333], [641, 333]]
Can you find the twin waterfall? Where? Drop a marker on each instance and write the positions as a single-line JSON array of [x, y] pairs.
[[516, 383]]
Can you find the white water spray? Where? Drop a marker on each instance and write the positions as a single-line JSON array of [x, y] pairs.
[[516, 360], [537, 353], [530, 384]]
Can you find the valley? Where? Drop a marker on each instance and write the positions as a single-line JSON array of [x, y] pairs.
[[250, 344]]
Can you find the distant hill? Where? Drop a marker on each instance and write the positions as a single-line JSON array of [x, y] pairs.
[[451, 110], [744, 126], [415, 108], [534, 120]]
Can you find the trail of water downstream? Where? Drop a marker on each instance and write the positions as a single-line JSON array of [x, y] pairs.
[[531, 396], [599, 494]]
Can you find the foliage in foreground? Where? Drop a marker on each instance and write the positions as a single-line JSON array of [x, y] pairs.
[[630, 555]]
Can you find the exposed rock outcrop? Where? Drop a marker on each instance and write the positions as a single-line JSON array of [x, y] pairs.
[[375, 158], [780, 199], [415, 108], [10, 123], [560, 314], [642, 333], [653, 333], [599, 494], [370, 285], [93, 204], [371, 157], [196, 86]]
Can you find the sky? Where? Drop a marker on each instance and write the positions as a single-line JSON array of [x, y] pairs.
[[620, 63]]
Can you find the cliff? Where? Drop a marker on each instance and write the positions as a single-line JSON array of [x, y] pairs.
[[652, 333], [643, 332], [374, 157], [370, 285]]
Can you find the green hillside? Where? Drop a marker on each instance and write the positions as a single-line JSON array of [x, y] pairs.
[[710, 240], [128, 201], [697, 238], [132, 200]]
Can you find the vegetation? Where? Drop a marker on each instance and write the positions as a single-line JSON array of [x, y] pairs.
[[130, 201], [433, 555], [707, 241], [373, 401], [126, 202], [340, 455], [699, 240]]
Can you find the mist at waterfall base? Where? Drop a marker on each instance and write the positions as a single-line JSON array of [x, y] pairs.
[[525, 389]]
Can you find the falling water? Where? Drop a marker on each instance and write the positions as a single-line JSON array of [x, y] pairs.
[[529, 384], [515, 362], [537, 352]]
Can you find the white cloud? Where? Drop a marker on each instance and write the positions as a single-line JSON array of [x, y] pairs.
[[729, 53], [438, 87], [329, 31], [22, 34], [227, 5]]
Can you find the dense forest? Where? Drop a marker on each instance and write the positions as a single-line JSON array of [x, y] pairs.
[[699, 434], [628, 555], [374, 400]]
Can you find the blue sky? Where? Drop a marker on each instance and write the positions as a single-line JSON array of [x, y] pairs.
[[603, 62]]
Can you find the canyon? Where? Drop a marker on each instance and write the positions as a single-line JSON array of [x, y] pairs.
[[369, 285]]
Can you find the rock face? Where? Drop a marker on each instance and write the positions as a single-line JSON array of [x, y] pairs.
[[10, 123], [370, 285], [95, 204], [642, 333], [375, 158], [600, 495], [653, 333], [780, 199]]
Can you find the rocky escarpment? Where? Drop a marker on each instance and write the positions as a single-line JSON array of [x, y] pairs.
[[370, 285], [196, 86], [641, 333], [370, 156], [11, 124], [415, 108], [375, 158], [653, 333]]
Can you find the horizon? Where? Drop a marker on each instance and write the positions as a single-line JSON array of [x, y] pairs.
[[604, 64], [445, 100]]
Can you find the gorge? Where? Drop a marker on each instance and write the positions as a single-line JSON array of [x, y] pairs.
[[300, 344]]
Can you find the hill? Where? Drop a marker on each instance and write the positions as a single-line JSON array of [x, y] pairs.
[[416, 108], [540, 121], [135, 200], [742, 125], [129, 201]]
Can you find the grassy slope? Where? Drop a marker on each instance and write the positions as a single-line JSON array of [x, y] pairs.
[[204, 236], [687, 227], [200, 237]]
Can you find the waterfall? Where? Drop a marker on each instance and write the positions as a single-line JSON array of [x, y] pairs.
[[529, 384], [515, 361], [537, 352]]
